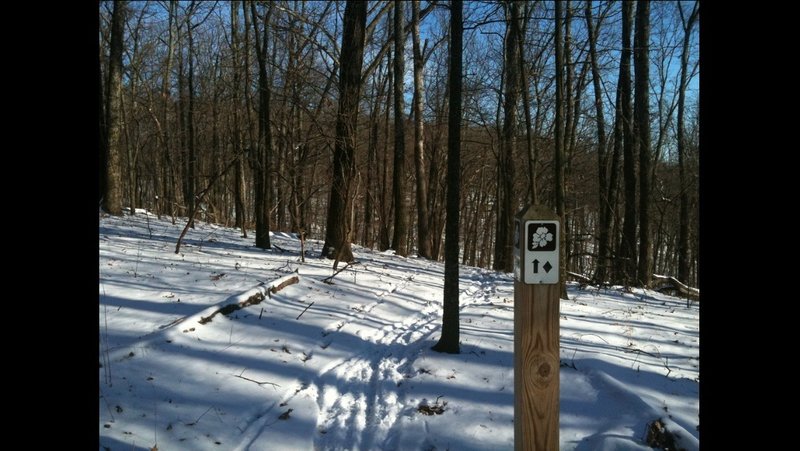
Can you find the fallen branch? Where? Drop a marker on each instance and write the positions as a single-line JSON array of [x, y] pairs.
[[252, 300], [328, 279], [673, 283], [290, 281], [198, 418], [253, 380], [580, 277], [230, 308]]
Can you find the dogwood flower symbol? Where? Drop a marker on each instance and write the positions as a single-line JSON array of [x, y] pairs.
[[541, 237]]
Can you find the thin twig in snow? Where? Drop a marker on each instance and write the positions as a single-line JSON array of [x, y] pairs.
[[592, 335], [198, 418], [108, 406], [253, 380], [304, 310], [328, 279]]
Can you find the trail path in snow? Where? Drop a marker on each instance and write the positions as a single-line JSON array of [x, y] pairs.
[[360, 395], [346, 365]]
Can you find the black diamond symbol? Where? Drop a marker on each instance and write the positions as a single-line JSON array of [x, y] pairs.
[[547, 267]]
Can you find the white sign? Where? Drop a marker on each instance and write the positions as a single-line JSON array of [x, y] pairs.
[[540, 252]]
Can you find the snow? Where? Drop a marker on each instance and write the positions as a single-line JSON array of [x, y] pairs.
[[354, 370]]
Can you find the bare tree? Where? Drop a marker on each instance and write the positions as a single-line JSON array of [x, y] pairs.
[[604, 216], [238, 184], [560, 162], [337, 234], [423, 233], [503, 254], [264, 148], [642, 117], [449, 341], [524, 74], [169, 186], [683, 233], [196, 92], [627, 251], [112, 200], [399, 241]]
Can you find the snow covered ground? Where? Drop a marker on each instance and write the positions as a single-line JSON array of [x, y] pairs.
[[348, 365]]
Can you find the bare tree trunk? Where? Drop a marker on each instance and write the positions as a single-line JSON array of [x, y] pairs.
[[423, 233], [191, 162], [683, 231], [133, 137], [264, 148], [604, 210], [112, 200], [613, 271], [169, 185], [374, 191], [372, 144], [526, 105], [399, 242], [132, 143], [448, 342], [337, 234], [627, 252], [102, 133], [503, 252], [238, 183], [642, 117], [560, 162], [385, 207]]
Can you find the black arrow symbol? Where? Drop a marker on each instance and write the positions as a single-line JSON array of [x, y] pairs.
[[535, 266]]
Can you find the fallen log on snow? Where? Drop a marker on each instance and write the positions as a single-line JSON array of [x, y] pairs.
[[677, 285], [580, 277], [276, 286]]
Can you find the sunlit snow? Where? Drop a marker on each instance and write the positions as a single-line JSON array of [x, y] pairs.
[[352, 370]]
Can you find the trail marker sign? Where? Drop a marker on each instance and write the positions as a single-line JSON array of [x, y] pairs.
[[541, 252], [536, 329]]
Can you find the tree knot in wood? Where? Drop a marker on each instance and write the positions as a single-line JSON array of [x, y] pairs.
[[541, 371]]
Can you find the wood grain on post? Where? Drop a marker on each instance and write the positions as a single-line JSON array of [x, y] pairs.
[[536, 356]]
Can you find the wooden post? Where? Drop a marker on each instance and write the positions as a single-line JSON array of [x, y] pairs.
[[536, 329]]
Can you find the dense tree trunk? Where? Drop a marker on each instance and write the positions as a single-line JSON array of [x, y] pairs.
[[560, 162], [238, 183], [449, 341], [627, 252], [613, 271], [374, 192], [367, 238], [399, 242], [683, 231], [170, 181], [337, 234], [385, 204], [112, 199], [503, 253], [642, 118], [263, 149], [423, 228], [128, 111], [532, 198], [604, 204], [102, 137], [191, 160]]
